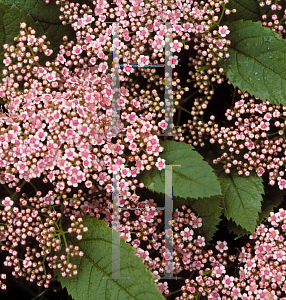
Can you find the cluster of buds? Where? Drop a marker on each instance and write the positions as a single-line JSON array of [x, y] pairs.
[[254, 140], [37, 221]]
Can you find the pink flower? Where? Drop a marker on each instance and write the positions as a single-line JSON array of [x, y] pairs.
[[196, 222], [239, 103], [162, 286], [219, 271], [282, 184], [143, 254], [260, 171], [87, 19], [264, 126], [27, 262], [7, 202], [31, 40], [276, 114], [268, 116], [78, 24], [128, 69], [143, 61], [7, 61], [200, 241], [223, 30], [260, 108], [160, 164], [250, 145], [142, 33], [187, 234], [220, 43], [221, 246], [188, 27], [77, 50], [173, 61], [162, 124], [103, 67], [228, 281], [60, 185], [176, 46]]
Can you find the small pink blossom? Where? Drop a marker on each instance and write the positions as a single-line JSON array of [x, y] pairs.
[[220, 43], [176, 46], [223, 30], [264, 126], [276, 114], [187, 234], [219, 271], [160, 164], [173, 61], [282, 184], [260, 171], [7, 202], [143, 61], [260, 108], [200, 241], [77, 50], [239, 103], [268, 116], [7, 61], [128, 69], [27, 262], [221, 246]]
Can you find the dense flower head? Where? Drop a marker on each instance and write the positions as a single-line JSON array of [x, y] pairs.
[[68, 135], [261, 269], [36, 221], [81, 119], [142, 227], [254, 141]]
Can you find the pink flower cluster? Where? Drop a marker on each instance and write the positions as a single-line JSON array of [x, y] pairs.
[[35, 227], [66, 135], [256, 134], [261, 272], [62, 125]]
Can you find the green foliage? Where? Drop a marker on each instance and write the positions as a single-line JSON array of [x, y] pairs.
[[194, 178], [241, 200], [273, 197], [251, 10], [254, 64], [236, 229], [40, 16], [96, 264], [246, 10]]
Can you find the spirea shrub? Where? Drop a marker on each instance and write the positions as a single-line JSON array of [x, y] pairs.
[[106, 160]]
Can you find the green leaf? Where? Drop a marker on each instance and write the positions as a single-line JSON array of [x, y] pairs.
[[209, 209], [206, 272], [96, 264], [251, 10], [246, 10], [256, 62], [241, 200], [273, 197], [194, 178], [237, 230]]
